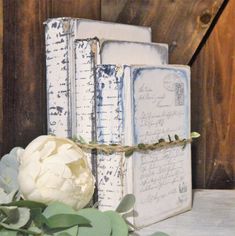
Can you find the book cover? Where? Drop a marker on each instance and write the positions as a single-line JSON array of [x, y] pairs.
[[135, 53], [60, 34], [142, 105]]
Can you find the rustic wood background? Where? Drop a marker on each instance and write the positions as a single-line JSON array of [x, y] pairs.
[[200, 33]]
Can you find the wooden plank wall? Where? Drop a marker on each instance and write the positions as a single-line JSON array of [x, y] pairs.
[[24, 63], [213, 103], [183, 24]]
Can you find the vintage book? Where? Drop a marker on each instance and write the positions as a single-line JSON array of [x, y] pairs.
[[89, 53], [142, 105], [86, 57], [125, 53], [86, 52], [60, 34]]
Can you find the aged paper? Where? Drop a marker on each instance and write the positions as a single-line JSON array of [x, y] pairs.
[[162, 178]]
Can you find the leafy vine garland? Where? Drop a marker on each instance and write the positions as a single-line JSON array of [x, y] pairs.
[[141, 147]]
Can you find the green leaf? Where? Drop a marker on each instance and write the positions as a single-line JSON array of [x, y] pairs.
[[37, 217], [113, 144], [169, 137], [27, 204], [28, 232], [23, 218], [35, 229], [185, 144], [57, 208], [11, 213], [161, 140], [159, 234], [81, 140], [66, 221], [176, 137], [119, 227], [126, 204], [6, 232], [64, 234], [129, 153], [100, 223], [141, 145], [195, 135]]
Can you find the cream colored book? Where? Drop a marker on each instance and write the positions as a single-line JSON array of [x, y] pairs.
[[142, 105], [133, 53], [60, 34]]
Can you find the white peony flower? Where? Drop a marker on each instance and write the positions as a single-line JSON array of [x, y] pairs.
[[55, 169]]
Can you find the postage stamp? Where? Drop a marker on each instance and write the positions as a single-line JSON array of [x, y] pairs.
[[179, 94]]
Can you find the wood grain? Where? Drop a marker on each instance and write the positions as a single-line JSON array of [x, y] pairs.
[[75, 8], [182, 24], [24, 64], [1, 76], [213, 106], [24, 76]]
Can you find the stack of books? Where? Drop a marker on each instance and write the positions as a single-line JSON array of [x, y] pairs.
[[108, 83]]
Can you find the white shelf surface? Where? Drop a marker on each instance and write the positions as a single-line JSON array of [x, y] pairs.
[[213, 214]]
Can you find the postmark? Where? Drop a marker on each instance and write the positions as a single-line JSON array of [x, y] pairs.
[[179, 94]]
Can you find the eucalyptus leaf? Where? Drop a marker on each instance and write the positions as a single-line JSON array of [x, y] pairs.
[[7, 198], [159, 234], [23, 218], [9, 166], [27, 204], [126, 204], [35, 229], [6, 232], [37, 217], [11, 213], [100, 223], [66, 221], [64, 234], [10, 227], [119, 227], [56, 208]]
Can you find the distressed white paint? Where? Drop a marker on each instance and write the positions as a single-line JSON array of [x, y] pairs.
[[133, 53], [57, 73], [83, 119], [108, 30], [161, 107], [139, 105], [84, 108], [213, 214], [110, 130], [60, 35]]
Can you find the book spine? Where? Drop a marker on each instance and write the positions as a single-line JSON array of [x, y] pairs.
[[85, 61], [110, 130], [57, 36], [86, 58]]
